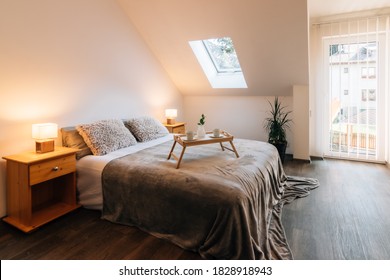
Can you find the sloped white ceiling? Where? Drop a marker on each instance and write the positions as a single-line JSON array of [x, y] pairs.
[[319, 8], [270, 37]]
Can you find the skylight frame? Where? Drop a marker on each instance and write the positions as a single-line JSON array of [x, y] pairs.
[[226, 79]]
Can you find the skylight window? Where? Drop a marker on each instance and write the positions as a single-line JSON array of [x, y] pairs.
[[223, 54], [219, 61]]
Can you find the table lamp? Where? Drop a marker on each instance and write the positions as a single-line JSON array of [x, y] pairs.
[[170, 114], [44, 134]]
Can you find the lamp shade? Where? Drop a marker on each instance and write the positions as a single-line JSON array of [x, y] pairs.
[[43, 131], [171, 113]]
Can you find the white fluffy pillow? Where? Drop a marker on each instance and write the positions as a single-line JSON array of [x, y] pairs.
[[146, 128], [106, 136]]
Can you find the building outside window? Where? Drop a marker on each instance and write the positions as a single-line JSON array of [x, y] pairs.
[[368, 72]]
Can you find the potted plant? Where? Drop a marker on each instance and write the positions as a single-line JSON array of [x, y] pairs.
[[201, 133], [276, 125]]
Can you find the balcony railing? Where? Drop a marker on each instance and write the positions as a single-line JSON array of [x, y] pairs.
[[344, 142]]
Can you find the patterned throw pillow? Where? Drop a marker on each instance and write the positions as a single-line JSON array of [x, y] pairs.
[[106, 136], [146, 128]]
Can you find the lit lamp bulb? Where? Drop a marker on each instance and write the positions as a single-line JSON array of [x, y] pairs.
[[44, 134], [170, 114]]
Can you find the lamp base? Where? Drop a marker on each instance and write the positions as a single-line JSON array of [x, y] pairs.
[[44, 146], [170, 121]]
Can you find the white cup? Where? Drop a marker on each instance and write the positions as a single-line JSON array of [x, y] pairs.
[[216, 132], [190, 135]]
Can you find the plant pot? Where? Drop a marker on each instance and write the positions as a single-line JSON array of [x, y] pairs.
[[281, 147], [201, 133]]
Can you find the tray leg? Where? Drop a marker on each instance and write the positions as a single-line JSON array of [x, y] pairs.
[[234, 149], [180, 158], [173, 147]]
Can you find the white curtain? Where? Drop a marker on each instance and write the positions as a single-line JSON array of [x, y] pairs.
[[349, 80]]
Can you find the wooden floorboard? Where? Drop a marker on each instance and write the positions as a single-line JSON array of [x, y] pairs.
[[347, 217]]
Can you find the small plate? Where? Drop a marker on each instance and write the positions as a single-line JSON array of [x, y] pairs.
[[193, 139], [212, 136]]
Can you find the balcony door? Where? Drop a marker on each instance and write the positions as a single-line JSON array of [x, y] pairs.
[[355, 115]]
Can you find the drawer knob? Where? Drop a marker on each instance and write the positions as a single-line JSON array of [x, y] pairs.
[[55, 168]]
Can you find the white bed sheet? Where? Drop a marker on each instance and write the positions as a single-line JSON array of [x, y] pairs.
[[90, 168]]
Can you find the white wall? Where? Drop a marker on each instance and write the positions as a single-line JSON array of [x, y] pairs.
[[387, 97], [301, 122], [317, 95], [242, 116], [71, 62]]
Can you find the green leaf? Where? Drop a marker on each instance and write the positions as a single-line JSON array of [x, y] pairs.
[[202, 120], [277, 123]]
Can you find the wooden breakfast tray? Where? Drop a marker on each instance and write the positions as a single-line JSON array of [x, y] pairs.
[[208, 139]]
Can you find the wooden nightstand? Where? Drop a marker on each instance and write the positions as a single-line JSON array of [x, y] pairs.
[[40, 187], [179, 128]]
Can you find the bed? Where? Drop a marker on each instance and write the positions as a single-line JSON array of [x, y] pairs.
[[217, 205]]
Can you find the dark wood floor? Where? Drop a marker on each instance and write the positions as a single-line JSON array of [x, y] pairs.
[[347, 217], [82, 235]]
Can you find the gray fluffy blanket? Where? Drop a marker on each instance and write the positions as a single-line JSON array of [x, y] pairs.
[[218, 205]]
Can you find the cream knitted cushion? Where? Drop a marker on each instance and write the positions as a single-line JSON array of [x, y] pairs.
[[146, 128], [106, 136]]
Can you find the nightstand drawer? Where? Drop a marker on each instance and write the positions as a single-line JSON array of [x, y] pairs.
[[179, 130], [50, 169]]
